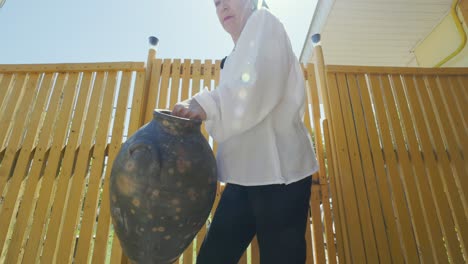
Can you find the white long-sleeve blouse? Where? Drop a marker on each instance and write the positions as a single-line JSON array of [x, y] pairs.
[[255, 114]]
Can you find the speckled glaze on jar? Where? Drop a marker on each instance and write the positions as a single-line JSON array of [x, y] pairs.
[[162, 188]]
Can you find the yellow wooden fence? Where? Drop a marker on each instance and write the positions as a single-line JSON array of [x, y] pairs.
[[391, 149]]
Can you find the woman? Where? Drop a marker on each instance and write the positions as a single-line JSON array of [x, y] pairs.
[[264, 151]]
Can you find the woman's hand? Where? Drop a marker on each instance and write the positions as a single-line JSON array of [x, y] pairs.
[[189, 109]]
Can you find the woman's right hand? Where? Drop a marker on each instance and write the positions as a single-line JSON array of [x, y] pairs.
[[189, 109]]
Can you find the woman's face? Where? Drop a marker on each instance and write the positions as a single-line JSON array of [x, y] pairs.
[[233, 15]]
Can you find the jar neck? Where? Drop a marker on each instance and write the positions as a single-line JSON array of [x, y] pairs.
[[171, 122]]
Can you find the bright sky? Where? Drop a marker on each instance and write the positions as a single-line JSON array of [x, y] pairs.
[[59, 31]]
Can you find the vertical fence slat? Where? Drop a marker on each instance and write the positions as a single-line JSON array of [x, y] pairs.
[[455, 201], [255, 251], [75, 183], [39, 156], [338, 171], [61, 128], [163, 102], [393, 175], [458, 89], [18, 128], [425, 190], [53, 109], [83, 251], [114, 147], [155, 80], [337, 220], [368, 171], [463, 91], [101, 238], [412, 191], [64, 172], [356, 170], [8, 116], [410, 107], [356, 242], [5, 86], [24, 212], [423, 224], [314, 204], [449, 137], [137, 115], [313, 98], [379, 171], [186, 74], [175, 83], [317, 227]]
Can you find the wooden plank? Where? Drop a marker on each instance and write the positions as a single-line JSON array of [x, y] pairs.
[[445, 87], [72, 67], [8, 114], [59, 136], [102, 234], [53, 113], [412, 191], [243, 259], [455, 201], [39, 157], [5, 86], [12, 196], [365, 156], [309, 246], [94, 186], [7, 120], [313, 98], [396, 70], [317, 227], [393, 230], [175, 83], [449, 134], [409, 107], [337, 218], [58, 131], [24, 158], [153, 89], [463, 81], [358, 177], [163, 102], [186, 66], [422, 185], [67, 237], [138, 107], [357, 252], [406, 228], [255, 251], [457, 93]]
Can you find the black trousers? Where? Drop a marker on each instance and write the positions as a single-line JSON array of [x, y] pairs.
[[277, 214]]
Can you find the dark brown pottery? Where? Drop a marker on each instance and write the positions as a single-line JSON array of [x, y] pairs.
[[162, 188]]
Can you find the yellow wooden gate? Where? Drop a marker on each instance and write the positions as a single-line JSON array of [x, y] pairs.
[[391, 144]]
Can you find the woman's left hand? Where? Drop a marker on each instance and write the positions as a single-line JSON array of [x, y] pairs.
[[189, 109]]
